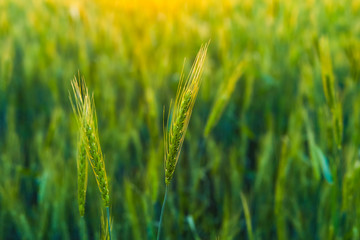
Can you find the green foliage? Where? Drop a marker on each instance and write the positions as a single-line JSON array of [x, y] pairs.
[[275, 136]]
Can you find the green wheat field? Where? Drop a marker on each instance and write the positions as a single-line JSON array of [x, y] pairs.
[[99, 120]]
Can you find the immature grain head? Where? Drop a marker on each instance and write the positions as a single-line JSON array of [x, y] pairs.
[[82, 166], [181, 113], [80, 92], [86, 117]]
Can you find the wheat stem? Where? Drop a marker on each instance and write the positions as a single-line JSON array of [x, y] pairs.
[[162, 212], [108, 219]]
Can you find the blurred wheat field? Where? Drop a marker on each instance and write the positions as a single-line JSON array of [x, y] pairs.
[[272, 148]]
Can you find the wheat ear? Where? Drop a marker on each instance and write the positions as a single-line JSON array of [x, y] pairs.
[[82, 164], [84, 108], [181, 113], [86, 116], [97, 161]]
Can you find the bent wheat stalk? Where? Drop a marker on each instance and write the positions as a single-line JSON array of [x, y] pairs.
[[90, 148], [181, 113]]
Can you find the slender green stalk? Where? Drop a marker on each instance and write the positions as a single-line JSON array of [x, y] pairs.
[[108, 219], [83, 230], [162, 212]]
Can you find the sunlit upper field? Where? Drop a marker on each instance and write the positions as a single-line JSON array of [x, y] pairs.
[[271, 149]]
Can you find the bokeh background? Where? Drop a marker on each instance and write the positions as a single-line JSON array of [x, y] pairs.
[[266, 155]]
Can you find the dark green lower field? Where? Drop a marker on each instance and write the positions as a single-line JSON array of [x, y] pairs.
[[272, 150]]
